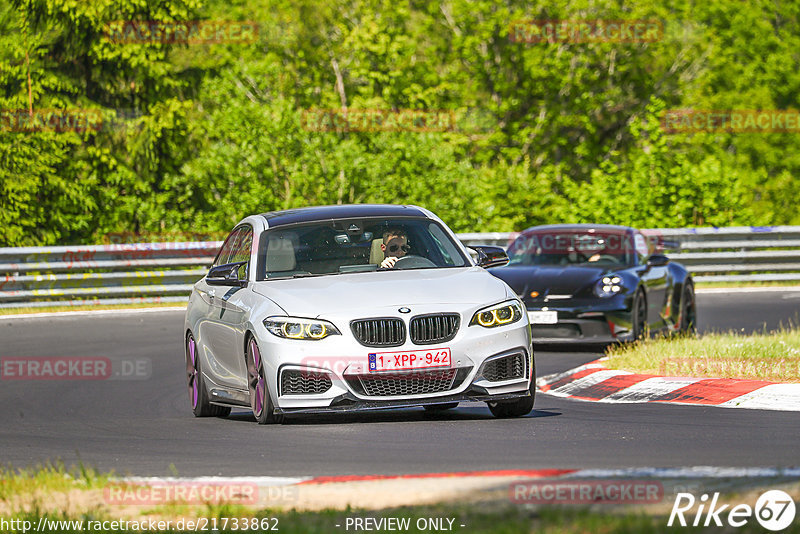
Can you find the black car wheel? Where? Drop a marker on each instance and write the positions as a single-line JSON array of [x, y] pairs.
[[639, 315], [260, 400], [198, 395], [688, 311], [517, 408]]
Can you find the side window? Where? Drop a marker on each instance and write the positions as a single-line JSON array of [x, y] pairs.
[[640, 245], [227, 246], [241, 250], [446, 247]]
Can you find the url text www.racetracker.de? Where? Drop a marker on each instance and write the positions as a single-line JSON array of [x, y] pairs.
[[217, 524]]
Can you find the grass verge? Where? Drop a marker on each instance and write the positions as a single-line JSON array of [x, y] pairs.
[[50, 477], [89, 307], [773, 356]]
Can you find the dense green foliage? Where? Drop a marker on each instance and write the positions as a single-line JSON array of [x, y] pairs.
[[549, 132]]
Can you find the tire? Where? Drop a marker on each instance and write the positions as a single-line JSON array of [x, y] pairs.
[[639, 316], [198, 394], [688, 326], [517, 408], [440, 407], [257, 384]]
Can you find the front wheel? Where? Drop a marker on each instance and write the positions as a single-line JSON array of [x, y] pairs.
[[198, 395], [260, 400], [639, 316], [516, 408], [688, 324]]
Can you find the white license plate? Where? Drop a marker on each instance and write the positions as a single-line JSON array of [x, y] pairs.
[[409, 359], [543, 317]]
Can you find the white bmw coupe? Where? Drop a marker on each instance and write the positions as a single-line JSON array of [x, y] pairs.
[[348, 308]]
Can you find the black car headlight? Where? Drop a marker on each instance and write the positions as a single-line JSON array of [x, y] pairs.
[[498, 315], [608, 286], [299, 328]]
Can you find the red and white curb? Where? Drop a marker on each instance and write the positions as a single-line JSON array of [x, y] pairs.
[[594, 382]]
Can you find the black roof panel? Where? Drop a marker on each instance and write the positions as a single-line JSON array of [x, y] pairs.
[[342, 211]]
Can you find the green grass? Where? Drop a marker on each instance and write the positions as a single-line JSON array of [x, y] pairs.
[[52, 476], [773, 356]]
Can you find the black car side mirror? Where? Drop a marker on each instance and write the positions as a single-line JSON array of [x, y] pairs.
[[490, 256], [657, 260], [226, 275]]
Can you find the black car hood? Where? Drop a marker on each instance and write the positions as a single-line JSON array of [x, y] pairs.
[[549, 280]]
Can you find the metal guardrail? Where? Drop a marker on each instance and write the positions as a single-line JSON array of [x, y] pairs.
[[165, 272]]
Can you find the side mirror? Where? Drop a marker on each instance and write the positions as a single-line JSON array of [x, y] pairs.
[[490, 256], [657, 260], [226, 275]]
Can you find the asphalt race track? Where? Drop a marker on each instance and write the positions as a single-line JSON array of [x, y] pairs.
[[145, 427]]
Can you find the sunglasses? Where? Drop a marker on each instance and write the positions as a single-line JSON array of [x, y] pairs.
[[395, 248]]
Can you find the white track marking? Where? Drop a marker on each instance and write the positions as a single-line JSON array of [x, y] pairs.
[[574, 388], [649, 389], [549, 379], [767, 289], [784, 397]]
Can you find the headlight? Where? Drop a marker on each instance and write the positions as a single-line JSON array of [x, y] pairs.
[[503, 314], [298, 328], [608, 286]]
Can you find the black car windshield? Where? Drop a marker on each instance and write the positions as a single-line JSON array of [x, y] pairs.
[[572, 247], [356, 245]]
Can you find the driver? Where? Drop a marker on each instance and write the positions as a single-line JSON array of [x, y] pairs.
[[395, 246]]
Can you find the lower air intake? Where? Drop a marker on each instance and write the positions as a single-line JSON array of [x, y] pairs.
[[400, 384], [296, 382], [505, 368]]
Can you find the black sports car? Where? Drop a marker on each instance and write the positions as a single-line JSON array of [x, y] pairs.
[[598, 283]]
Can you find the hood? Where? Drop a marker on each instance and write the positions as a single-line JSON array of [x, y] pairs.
[[320, 295], [552, 280]]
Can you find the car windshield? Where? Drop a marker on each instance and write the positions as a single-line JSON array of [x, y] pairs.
[[563, 248], [355, 245]]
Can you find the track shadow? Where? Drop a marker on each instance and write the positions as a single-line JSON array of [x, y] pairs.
[[399, 415]]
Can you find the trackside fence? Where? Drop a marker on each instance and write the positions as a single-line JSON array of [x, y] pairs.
[[165, 272]]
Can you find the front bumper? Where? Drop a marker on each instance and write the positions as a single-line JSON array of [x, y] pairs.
[[348, 403], [584, 321], [344, 361]]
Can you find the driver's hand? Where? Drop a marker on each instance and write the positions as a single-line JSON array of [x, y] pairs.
[[594, 258], [389, 262]]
